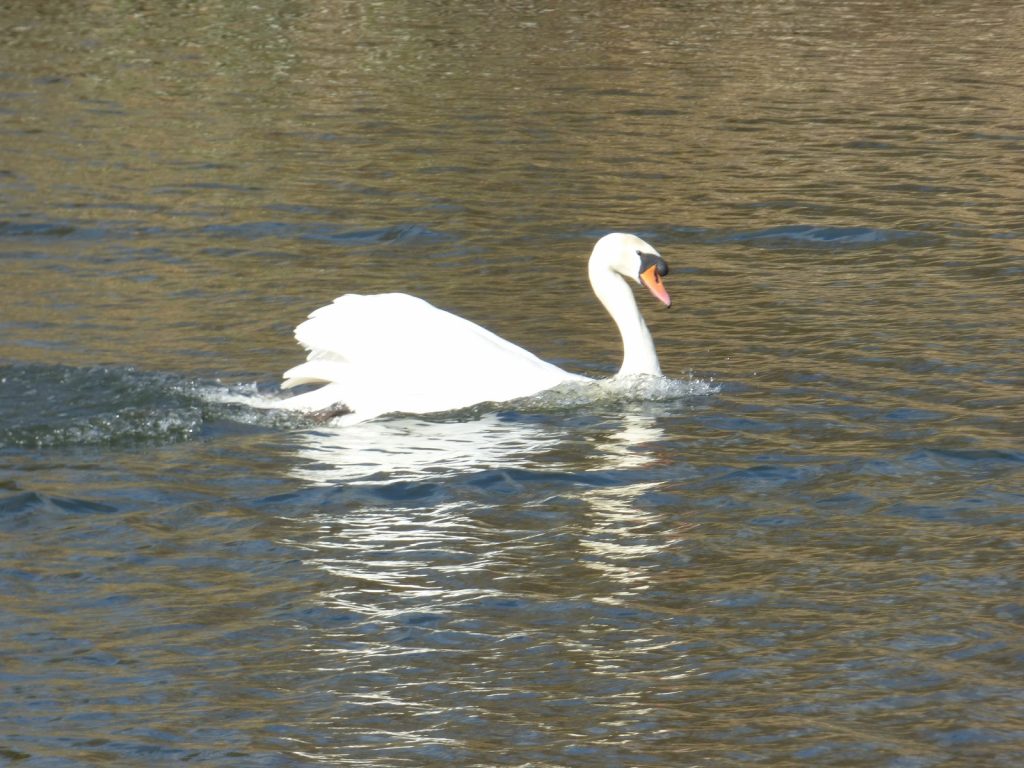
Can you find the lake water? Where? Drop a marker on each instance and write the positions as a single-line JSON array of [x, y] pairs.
[[807, 551]]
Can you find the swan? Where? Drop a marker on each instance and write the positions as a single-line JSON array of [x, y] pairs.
[[395, 353]]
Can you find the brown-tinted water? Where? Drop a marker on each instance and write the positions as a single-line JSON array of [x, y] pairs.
[[808, 554]]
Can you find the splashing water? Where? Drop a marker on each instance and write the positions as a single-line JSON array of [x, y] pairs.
[[54, 405]]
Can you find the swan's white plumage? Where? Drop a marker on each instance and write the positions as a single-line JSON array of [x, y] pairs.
[[394, 353]]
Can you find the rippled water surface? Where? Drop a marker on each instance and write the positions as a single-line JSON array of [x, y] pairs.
[[804, 549]]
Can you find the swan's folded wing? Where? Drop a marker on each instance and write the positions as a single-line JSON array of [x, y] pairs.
[[396, 353]]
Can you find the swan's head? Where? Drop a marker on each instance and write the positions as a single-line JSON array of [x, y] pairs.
[[634, 259]]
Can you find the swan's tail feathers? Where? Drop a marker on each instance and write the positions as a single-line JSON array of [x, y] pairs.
[[340, 390], [315, 371]]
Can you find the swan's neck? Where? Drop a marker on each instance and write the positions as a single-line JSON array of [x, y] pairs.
[[638, 355]]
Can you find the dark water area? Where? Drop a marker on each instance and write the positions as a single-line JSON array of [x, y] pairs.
[[805, 551]]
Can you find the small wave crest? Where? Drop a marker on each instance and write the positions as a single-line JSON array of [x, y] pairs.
[[818, 237]]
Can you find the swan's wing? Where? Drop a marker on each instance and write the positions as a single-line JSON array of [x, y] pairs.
[[396, 353]]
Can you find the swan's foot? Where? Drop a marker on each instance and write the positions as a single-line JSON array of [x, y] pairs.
[[331, 412]]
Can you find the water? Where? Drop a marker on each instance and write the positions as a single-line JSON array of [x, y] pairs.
[[805, 549]]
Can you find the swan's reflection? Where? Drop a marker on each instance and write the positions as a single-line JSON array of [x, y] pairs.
[[412, 448], [625, 534], [530, 540], [396, 450], [630, 445]]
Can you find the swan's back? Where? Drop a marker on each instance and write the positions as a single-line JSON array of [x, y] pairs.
[[392, 352]]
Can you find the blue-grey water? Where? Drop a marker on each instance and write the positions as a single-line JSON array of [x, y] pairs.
[[807, 552]]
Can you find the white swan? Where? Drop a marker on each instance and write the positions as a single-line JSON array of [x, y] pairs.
[[393, 353]]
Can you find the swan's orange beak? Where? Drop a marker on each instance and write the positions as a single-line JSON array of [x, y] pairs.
[[652, 280]]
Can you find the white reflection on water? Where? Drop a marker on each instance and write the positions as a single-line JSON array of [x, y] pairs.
[[624, 533], [415, 449], [627, 447], [411, 448], [384, 546], [616, 541], [620, 538]]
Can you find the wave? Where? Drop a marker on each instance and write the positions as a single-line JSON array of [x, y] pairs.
[[830, 237]]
